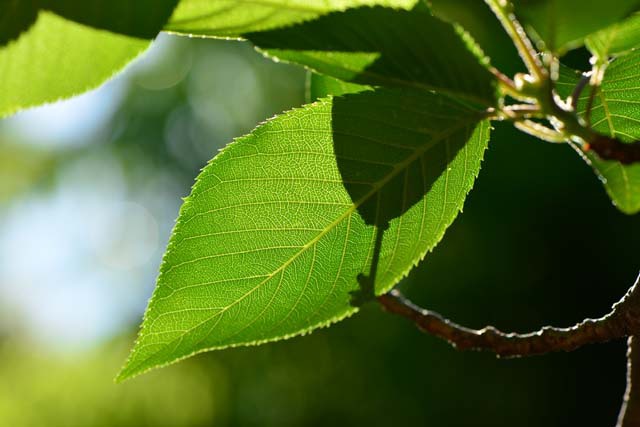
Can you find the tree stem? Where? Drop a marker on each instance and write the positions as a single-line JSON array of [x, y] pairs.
[[504, 12], [622, 321], [630, 411]]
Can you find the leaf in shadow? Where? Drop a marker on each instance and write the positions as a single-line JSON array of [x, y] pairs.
[[140, 18], [384, 47], [386, 174]]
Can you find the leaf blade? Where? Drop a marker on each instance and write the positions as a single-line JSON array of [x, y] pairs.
[[309, 237]]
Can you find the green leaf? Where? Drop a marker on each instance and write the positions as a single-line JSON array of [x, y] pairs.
[[233, 18], [563, 24], [320, 86], [57, 58], [384, 47], [616, 39], [280, 231], [45, 56], [616, 113]]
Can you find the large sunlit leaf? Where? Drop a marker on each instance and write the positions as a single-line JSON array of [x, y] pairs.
[[385, 47], [233, 18], [279, 234], [616, 113], [563, 24], [616, 39]]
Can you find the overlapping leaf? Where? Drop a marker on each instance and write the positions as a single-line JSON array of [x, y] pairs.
[[563, 24], [282, 227], [385, 47], [616, 113], [233, 18]]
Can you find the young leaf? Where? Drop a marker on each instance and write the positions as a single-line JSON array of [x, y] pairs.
[[233, 18], [281, 229], [616, 39], [57, 58], [616, 113], [384, 47], [563, 24]]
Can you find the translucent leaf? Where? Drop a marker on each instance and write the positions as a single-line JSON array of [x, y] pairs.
[[291, 227]]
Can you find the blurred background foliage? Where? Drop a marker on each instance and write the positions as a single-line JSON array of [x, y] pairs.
[[89, 190]]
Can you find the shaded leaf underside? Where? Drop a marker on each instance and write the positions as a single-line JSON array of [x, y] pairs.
[[385, 47], [281, 224]]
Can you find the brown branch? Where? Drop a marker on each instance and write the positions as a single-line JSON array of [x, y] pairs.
[[622, 321], [630, 411], [608, 148]]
